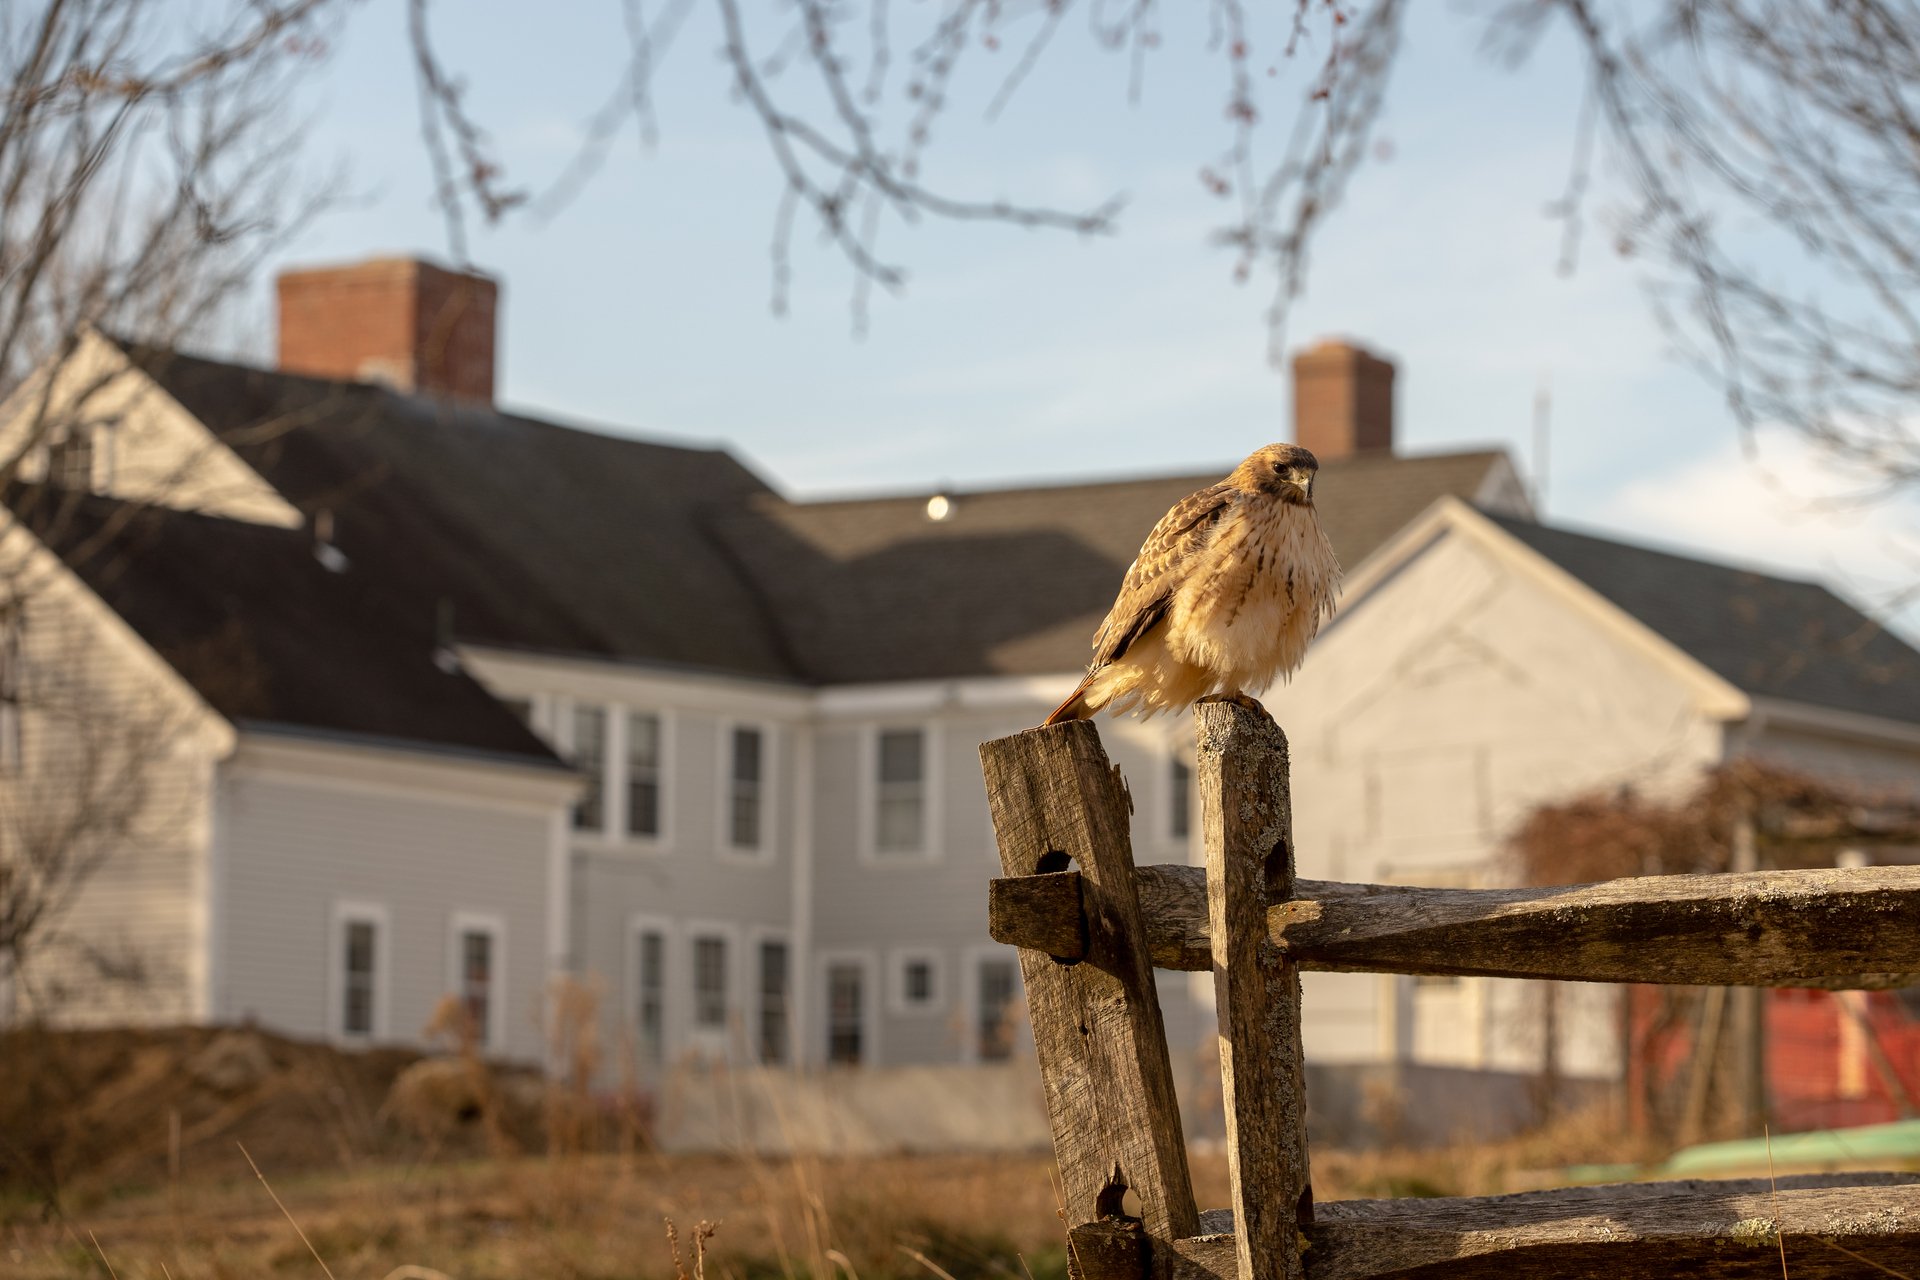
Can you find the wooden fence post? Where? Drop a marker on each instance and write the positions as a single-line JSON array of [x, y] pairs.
[[1057, 802], [1246, 821]]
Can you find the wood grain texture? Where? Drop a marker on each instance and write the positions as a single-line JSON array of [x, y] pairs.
[[1246, 826], [1097, 1027], [1040, 912], [1638, 1231], [1837, 928]]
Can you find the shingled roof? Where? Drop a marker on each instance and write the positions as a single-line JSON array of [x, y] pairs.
[[1767, 635], [531, 535], [536, 535], [267, 633], [1014, 581]]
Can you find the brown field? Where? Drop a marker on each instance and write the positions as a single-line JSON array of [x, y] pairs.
[[121, 1155], [590, 1217]]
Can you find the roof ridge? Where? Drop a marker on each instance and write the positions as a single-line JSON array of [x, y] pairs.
[[141, 352], [1156, 477], [1607, 538]]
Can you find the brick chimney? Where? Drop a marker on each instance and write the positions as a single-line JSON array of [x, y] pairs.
[[398, 321], [1342, 400]]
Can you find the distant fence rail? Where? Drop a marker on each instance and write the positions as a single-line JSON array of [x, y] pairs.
[[1091, 927]]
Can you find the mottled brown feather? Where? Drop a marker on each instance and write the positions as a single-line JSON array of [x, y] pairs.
[[1159, 569]]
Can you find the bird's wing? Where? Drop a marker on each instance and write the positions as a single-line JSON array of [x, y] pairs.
[[1159, 569]]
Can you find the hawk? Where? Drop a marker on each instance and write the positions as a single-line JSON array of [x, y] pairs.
[[1224, 596]]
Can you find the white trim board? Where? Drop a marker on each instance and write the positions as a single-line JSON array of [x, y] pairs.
[[459, 923], [870, 1005], [342, 912], [766, 853]]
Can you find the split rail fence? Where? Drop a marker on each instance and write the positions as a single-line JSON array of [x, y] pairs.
[[1092, 927]]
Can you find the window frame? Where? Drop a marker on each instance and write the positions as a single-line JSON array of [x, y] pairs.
[[898, 1001], [869, 965], [77, 442], [757, 940], [976, 960], [1180, 757], [494, 925], [932, 807], [569, 724], [346, 911], [621, 770], [638, 926], [614, 836], [763, 853], [13, 731], [714, 1041]]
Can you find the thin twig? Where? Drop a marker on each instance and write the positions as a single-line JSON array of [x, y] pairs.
[[103, 1255], [283, 1209], [1901, 1275], [926, 1262], [1773, 1200]]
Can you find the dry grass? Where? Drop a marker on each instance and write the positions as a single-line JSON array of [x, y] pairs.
[[587, 1216], [582, 1217]]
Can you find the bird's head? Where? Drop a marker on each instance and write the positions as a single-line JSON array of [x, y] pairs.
[[1284, 471]]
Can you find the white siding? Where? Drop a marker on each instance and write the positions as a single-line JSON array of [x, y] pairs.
[[295, 850], [690, 875], [112, 786], [900, 906], [1424, 724], [147, 448]]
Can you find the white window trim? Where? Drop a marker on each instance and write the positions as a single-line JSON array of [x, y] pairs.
[[932, 810], [618, 834], [897, 1002], [495, 926], [761, 854], [346, 911], [637, 924], [755, 937], [869, 963], [970, 998], [614, 836], [1177, 749], [723, 1041]]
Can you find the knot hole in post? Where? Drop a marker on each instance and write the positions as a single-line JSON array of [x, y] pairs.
[[1278, 872], [1059, 860], [1116, 1200]]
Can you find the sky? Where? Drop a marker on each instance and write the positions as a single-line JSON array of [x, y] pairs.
[[1016, 356]]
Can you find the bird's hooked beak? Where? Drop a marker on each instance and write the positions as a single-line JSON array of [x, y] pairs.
[[1302, 478]]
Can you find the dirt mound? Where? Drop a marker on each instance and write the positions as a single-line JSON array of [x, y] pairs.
[[122, 1106]]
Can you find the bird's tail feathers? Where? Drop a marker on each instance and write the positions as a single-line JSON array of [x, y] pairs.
[[1075, 707]]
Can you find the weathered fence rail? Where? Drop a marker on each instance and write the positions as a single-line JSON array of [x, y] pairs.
[[1819, 928], [1091, 927]]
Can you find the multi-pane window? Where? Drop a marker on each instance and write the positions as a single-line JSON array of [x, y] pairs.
[[590, 758], [650, 1007], [918, 986], [995, 1030], [773, 1001], [70, 460], [12, 623], [1179, 799], [900, 818], [745, 787], [846, 1013], [643, 774], [710, 983], [476, 982], [358, 959]]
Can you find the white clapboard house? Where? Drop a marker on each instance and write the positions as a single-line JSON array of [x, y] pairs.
[[462, 700]]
